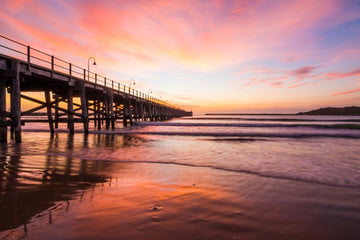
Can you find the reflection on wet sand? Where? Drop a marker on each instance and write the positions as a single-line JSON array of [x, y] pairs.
[[31, 184], [46, 192]]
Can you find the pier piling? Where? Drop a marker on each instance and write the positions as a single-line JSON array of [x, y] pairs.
[[3, 125], [15, 101], [49, 111], [70, 111], [84, 110]]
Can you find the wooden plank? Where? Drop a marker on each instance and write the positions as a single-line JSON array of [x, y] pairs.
[[28, 112], [55, 107], [62, 120]]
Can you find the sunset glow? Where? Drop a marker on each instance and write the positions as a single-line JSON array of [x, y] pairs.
[[209, 56]]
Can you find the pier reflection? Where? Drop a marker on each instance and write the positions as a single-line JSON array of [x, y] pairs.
[[31, 183]]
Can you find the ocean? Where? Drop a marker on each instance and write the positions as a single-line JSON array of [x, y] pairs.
[[201, 177]]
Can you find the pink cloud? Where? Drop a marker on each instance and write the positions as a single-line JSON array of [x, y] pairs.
[[142, 37], [303, 72], [347, 92], [276, 84], [295, 76], [299, 74], [298, 85], [16, 5], [276, 81], [337, 75], [257, 69], [193, 34]]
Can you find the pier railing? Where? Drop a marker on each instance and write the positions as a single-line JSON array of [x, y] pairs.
[[36, 57]]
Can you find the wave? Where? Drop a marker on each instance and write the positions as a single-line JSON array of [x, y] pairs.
[[256, 134], [261, 125], [213, 134], [325, 181], [273, 119], [272, 175]]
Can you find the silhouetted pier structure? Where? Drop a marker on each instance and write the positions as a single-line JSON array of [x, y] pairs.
[[71, 94]]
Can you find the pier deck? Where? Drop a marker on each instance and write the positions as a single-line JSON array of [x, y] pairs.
[[71, 94]]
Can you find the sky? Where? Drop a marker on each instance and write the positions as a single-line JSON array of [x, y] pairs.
[[208, 56]]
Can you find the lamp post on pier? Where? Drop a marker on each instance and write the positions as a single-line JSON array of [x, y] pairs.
[[94, 63], [132, 81]]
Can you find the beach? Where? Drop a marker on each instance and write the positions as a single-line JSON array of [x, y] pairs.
[[185, 179], [180, 120]]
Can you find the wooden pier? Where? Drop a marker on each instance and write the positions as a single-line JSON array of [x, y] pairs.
[[70, 94]]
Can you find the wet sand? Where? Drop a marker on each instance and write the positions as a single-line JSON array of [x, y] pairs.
[[45, 195]]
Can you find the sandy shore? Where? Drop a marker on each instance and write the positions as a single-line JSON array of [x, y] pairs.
[[110, 200], [170, 187]]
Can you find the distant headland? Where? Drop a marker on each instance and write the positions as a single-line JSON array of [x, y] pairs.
[[346, 111], [354, 111]]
